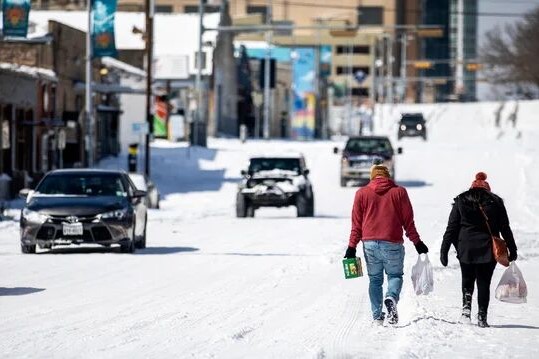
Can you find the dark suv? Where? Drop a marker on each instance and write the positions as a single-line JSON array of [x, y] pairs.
[[412, 125], [360, 153], [275, 181]]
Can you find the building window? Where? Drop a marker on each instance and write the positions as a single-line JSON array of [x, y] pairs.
[[370, 15], [357, 49], [190, 9], [163, 8], [258, 9], [360, 91], [346, 70]]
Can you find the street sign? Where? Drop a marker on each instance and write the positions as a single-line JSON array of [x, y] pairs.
[[61, 139], [140, 128], [360, 76]]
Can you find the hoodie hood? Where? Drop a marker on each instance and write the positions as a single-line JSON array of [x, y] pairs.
[[380, 185]]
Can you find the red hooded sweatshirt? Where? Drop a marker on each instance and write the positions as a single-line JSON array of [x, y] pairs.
[[381, 210]]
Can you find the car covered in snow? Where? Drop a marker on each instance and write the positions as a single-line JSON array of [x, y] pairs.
[[360, 153], [275, 181], [412, 125]]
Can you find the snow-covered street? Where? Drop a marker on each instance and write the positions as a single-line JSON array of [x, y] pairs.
[[212, 285]]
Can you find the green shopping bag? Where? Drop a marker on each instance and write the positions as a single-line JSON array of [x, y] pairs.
[[352, 268]]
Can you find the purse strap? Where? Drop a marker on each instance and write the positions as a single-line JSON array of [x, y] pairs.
[[486, 220]]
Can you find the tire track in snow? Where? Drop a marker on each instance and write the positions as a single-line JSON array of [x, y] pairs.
[[338, 346]]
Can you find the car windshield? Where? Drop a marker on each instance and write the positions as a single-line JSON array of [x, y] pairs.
[[82, 184], [412, 119], [368, 145], [270, 164]]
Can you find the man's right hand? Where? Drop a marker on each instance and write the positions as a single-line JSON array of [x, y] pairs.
[[421, 247], [350, 253]]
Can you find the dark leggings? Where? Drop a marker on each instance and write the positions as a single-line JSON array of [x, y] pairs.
[[482, 273]]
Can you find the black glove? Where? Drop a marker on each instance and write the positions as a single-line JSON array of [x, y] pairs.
[[350, 253], [421, 248], [512, 255], [443, 258]]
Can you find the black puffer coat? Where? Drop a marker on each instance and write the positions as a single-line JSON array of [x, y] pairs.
[[467, 229]]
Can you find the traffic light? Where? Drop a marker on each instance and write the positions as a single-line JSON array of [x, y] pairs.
[[261, 73], [423, 65], [473, 67]]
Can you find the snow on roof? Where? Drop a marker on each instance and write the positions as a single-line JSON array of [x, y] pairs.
[[37, 72], [117, 64], [279, 155], [174, 34]]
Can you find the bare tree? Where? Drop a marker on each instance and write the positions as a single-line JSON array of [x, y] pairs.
[[511, 53]]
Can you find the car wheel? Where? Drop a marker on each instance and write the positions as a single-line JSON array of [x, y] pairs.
[[142, 241], [310, 212], [424, 137], [130, 246], [250, 211], [241, 206], [344, 182], [28, 249], [302, 205]]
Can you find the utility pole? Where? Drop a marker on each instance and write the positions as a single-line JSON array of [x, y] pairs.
[[149, 59], [198, 79], [88, 95], [267, 90], [372, 92], [459, 81], [404, 46], [390, 68]]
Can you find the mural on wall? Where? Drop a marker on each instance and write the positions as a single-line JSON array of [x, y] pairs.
[[303, 115]]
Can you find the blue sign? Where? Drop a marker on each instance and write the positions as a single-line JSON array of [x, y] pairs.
[[360, 76], [103, 28], [15, 17]]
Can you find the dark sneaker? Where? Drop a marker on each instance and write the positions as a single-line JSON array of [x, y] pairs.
[[392, 315]]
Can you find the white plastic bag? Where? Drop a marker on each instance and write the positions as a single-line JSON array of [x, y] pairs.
[[512, 287], [422, 276]]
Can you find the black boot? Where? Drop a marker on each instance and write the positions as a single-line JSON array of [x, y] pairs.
[[466, 308], [482, 319], [392, 314]]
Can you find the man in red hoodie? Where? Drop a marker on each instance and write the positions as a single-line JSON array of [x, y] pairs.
[[381, 210]]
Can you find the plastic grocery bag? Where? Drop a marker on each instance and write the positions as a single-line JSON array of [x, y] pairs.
[[512, 287], [422, 276]]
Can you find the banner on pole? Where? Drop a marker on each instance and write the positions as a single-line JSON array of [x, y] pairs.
[[103, 28], [160, 129], [15, 17]]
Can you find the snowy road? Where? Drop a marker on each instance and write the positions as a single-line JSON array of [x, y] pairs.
[[211, 285]]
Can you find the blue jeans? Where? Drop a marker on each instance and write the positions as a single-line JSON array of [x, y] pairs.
[[380, 256]]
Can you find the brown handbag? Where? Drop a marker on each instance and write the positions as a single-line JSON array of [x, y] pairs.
[[499, 247]]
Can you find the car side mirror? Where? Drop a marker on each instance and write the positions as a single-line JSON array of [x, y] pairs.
[[399, 150], [25, 193], [306, 172], [139, 194], [335, 150], [243, 172]]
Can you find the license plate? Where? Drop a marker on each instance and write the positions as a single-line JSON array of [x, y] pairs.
[[72, 229]]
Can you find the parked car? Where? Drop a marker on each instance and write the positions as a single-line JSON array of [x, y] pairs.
[[275, 181], [83, 207], [412, 125], [360, 153], [144, 183]]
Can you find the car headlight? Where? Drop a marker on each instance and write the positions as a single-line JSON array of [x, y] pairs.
[[34, 216], [403, 127], [117, 214], [419, 126], [344, 162]]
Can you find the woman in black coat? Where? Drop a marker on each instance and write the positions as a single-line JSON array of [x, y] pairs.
[[468, 232]]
